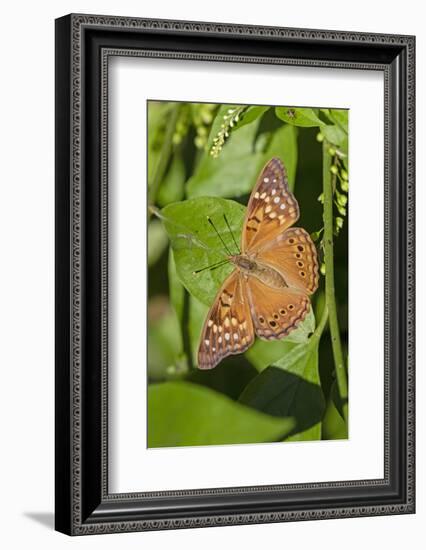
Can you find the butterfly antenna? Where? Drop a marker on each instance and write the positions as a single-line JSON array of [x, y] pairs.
[[232, 234], [219, 235], [211, 267]]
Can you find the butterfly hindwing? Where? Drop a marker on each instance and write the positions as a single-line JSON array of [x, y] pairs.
[[293, 254], [228, 328], [271, 209], [275, 312]]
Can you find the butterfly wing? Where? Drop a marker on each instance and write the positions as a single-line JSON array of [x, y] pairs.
[[275, 312], [272, 207], [228, 328], [293, 254]]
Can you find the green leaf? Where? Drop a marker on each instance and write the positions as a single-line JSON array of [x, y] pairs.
[[291, 388], [197, 315], [226, 178], [251, 114], [262, 354], [181, 413], [298, 116], [311, 434], [304, 330], [336, 136], [284, 146], [338, 116], [234, 172], [172, 187], [196, 245], [157, 241]]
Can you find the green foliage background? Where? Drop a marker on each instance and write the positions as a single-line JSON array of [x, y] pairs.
[[203, 160]]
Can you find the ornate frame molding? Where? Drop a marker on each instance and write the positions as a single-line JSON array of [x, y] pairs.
[[84, 505]]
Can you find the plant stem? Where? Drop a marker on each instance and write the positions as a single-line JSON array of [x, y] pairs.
[[330, 297], [163, 161], [320, 327]]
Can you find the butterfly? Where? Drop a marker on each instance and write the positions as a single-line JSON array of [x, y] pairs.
[[268, 291]]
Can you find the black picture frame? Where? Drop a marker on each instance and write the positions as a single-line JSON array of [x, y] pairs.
[[83, 45]]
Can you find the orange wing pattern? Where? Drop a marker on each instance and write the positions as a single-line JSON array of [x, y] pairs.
[[271, 209], [228, 328], [275, 312], [245, 304], [293, 254]]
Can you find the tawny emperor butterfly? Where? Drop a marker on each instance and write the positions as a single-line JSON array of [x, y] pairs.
[[277, 270]]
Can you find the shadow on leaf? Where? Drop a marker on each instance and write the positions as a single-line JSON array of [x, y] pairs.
[[278, 392], [230, 377]]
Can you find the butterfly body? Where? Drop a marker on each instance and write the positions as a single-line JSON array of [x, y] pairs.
[[267, 293], [251, 268]]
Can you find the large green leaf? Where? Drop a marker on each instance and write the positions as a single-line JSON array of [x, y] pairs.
[[291, 388], [234, 172], [196, 245], [226, 178], [181, 413], [298, 116]]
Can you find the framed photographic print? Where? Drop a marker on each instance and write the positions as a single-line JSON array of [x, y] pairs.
[[234, 274]]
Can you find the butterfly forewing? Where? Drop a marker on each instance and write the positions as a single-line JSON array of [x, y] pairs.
[[272, 207], [293, 254], [275, 312], [228, 328]]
